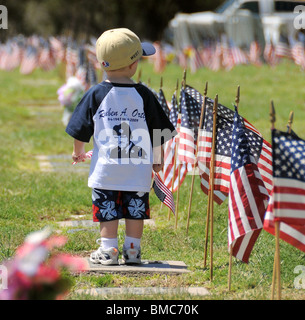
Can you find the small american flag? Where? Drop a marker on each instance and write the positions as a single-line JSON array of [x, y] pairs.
[[163, 193], [269, 54], [91, 76], [260, 149], [91, 56], [169, 162], [29, 61], [72, 58], [227, 61], [58, 49], [238, 55], [216, 59], [298, 54], [46, 59], [195, 60], [190, 103], [255, 53], [282, 48], [289, 177], [169, 147], [170, 155], [163, 102], [173, 115], [290, 233], [248, 196]]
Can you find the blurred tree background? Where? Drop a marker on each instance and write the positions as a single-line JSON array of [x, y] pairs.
[[85, 18]]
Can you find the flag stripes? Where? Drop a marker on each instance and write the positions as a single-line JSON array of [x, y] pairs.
[[218, 196], [247, 196], [246, 209], [163, 193], [290, 233], [289, 200]]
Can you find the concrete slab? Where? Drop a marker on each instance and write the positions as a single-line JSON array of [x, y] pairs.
[[147, 266], [90, 223], [78, 223], [60, 163], [197, 291], [78, 216]]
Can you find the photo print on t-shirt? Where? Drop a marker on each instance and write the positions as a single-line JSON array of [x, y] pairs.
[[127, 147]]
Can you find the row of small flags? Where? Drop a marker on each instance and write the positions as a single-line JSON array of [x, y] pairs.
[[34, 52], [263, 182], [223, 54]]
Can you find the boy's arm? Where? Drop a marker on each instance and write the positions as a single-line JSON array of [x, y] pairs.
[[158, 157], [78, 154]]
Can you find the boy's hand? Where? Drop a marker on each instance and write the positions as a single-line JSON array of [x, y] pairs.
[[158, 167], [79, 157], [158, 158], [78, 154]]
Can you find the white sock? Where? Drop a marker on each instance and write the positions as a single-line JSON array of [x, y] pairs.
[[129, 240], [108, 243]]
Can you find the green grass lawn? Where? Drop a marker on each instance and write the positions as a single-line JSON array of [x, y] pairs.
[[30, 125]]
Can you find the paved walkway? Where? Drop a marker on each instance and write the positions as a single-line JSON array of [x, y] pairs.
[[197, 291], [147, 266]]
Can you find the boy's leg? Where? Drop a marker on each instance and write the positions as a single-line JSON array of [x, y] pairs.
[[136, 209], [134, 228], [133, 233], [109, 234], [107, 210]]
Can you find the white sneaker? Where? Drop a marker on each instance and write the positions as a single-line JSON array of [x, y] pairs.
[[131, 255], [105, 257]]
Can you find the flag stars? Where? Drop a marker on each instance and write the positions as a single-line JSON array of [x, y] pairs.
[[289, 156]]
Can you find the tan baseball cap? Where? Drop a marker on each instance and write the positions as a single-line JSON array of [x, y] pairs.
[[119, 48]]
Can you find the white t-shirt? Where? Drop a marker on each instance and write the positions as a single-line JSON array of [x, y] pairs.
[[126, 121]]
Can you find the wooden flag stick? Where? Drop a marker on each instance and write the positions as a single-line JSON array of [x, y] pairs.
[[276, 264], [277, 260], [237, 99], [183, 84], [290, 120], [230, 267], [177, 199], [207, 230], [196, 153], [211, 184], [207, 226], [272, 120], [276, 277], [272, 114], [273, 278], [277, 255], [175, 152]]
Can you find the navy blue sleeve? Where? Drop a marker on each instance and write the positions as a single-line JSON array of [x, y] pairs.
[[81, 125], [156, 119]]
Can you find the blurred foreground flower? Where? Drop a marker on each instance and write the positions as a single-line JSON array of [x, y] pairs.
[[35, 273]]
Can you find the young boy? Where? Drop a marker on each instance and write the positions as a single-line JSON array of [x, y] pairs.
[[125, 120]]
